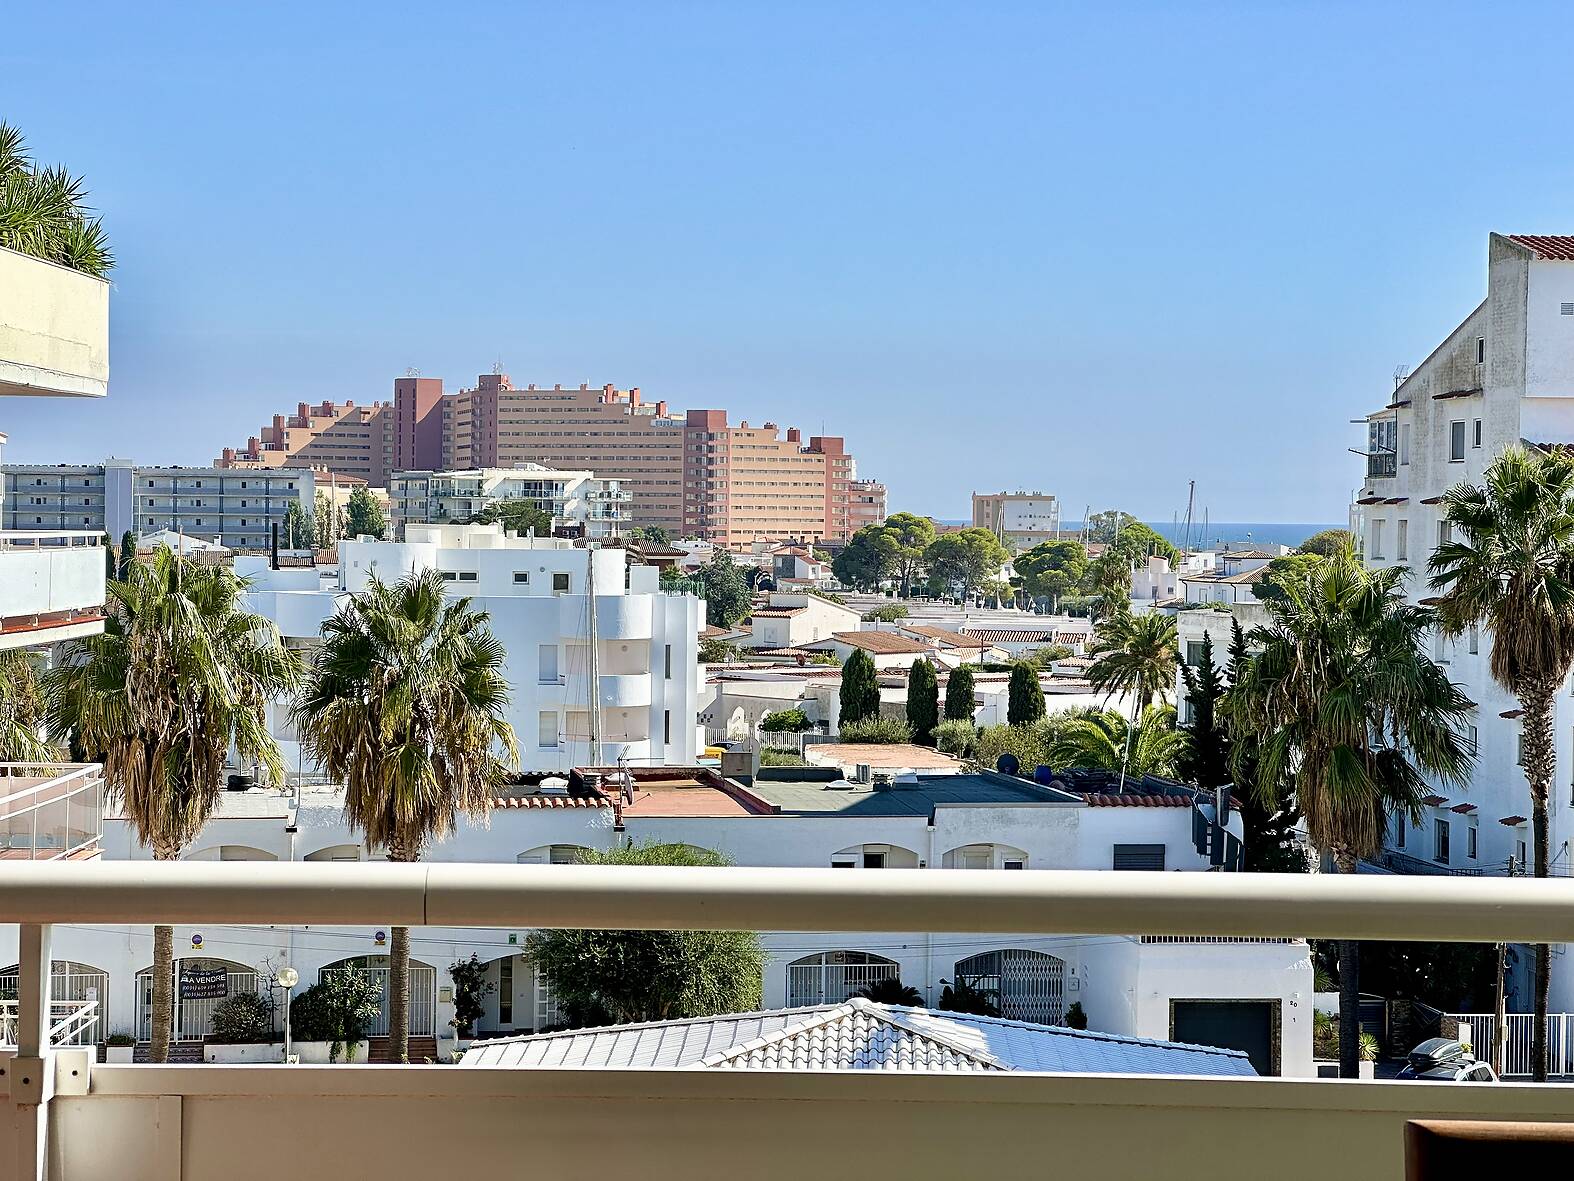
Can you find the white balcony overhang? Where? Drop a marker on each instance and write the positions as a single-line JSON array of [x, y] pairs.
[[54, 329]]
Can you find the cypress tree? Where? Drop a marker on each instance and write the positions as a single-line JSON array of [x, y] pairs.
[[860, 695], [959, 695], [923, 702], [1025, 699], [128, 552], [1208, 762]]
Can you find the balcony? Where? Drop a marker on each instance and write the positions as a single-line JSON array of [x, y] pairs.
[[51, 586], [67, 1117], [54, 329], [50, 811]]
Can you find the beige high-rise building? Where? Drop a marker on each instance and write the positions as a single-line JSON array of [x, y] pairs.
[[1020, 520], [865, 504]]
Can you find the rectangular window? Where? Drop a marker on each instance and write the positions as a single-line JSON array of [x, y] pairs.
[[1440, 841], [1519, 757], [666, 725], [447, 575], [1472, 736], [874, 860], [505, 991], [1402, 541], [1012, 863], [521, 577], [1377, 540], [1475, 433], [1519, 852], [667, 662], [1475, 638], [560, 584], [1445, 533], [546, 729], [1456, 441], [546, 660], [1194, 653], [1399, 830], [1481, 350], [1404, 442], [1148, 857], [467, 576], [1470, 842], [1566, 309]]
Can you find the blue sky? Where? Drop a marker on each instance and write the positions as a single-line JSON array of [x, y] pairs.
[[1095, 249]]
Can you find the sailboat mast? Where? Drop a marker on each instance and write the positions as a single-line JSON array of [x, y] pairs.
[[595, 660]]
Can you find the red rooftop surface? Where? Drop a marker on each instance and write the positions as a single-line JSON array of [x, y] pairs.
[[1132, 799], [1557, 247]]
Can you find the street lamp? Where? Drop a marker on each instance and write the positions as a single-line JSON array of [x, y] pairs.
[[287, 978]]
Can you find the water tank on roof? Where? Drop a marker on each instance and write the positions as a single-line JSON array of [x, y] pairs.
[[1043, 775], [1008, 764]]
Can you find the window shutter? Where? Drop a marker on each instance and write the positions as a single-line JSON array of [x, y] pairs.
[[1139, 856]]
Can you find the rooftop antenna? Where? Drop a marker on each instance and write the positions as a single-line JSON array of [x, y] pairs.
[[1191, 496], [412, 371], [497, 367], [1400, 373]]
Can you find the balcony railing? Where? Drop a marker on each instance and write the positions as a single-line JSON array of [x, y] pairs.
[[50, 811], [67, 1117]]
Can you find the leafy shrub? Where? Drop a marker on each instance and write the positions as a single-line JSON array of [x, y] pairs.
[[963, 997], [956, 738], [776, 756], [243, 1019], [885, 613], [715, 651], [338, 1009], [470, 985], [120, 1038], [884, 731], [1075, 1017], [786, 721], [891, 991]]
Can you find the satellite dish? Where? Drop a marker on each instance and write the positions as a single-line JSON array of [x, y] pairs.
[[1007, 764]]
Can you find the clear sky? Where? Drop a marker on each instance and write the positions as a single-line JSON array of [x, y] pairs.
[[1094, 249]]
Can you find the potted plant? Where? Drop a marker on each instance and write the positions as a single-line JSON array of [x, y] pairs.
[[120, 1048], [330, 1020], [243, 1031], [470, 985], [1367, 1047]]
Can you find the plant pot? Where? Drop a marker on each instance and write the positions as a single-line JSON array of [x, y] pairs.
[[319, 1052], [1367, 1069], [120, 1055], [233, 1052]]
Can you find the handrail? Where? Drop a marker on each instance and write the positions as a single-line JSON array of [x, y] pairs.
[[1071, 902]]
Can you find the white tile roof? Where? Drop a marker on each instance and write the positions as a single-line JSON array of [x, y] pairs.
[[856, 1035]]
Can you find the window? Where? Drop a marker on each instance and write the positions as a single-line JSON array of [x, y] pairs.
[[1194, 653], [521, 577], [546, 662], [1470, 842], [1481, 350], [1475, 433], [1566, 309], [666, 725], [1445, 533], [1404, 442], [505, 991], [467, 576], [1012, 863], [546, 729], [1475, 638], [559, 584], [1377, 540], [1440, 841], [1519, 852], [448, 575], [874, 860], [1473, 738], [1139, 857], [1399, 830], [667, 662], [1402, 542], [1456, 441], [1519, 757]]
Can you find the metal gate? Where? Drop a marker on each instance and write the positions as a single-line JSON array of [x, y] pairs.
[[1026, 985], [833, 976], [69, 981], [193, 1018], [423, 994], [1518, 1059]]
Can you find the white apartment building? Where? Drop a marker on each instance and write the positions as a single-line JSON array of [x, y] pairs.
[[573, 498], [535, 590], [1504, 375], [1020, 520], [791, 618], [234, 507], [1256, 993]]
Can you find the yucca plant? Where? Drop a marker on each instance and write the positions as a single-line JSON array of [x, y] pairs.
[[43, 211]]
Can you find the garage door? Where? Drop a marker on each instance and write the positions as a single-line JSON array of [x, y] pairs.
[[1232, 1025]]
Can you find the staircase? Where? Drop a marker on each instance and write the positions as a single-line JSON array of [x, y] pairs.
[[421, 1049], [180, 1053]]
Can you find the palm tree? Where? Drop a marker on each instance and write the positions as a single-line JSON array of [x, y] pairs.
[[21, 710], [405, 704], [1135, 654], [1510, 566], [1349, 711], [182, 674], [1107, 742], [891, 991]]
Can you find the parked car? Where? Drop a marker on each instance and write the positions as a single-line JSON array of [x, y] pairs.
[[1442, 1060]]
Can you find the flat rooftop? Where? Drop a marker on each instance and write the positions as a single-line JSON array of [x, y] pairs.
[[797, 791], [895, 756]]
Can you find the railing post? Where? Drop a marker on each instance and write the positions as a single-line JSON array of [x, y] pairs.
[[31, 1084]]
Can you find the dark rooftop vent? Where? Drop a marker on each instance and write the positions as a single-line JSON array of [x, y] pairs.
[[1008, 764]]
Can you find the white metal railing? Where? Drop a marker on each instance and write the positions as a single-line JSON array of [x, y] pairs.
[[38, 539], [71, 1023], [50, 811], [1517, 1055], [1214, 939]]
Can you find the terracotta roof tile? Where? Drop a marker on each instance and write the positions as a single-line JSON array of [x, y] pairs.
[[1557, 247], [883, 643], [1463, 809], [1131, 799], [1456, 394], [1512, 821], [944, 635], [1434, 800], [551, 801]]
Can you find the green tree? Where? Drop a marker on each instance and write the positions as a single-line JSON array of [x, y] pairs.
[[1024, 695], [406, 705], [786, 721], [727, 598], [891, 991], [1270, 820], [1100, 742], [714, 651], [1207, 762], [1510, 566], [860, 692], [885, 613], [1286, 568], [128, 555], [868, 559], [600, 977], [364, 516], [968, 559], [923, 701], [21, 709], [1134, 655], [1328, 543], [1128, 537], [959, 695], [44, 212], [516, 516], [111, 567], [1052, 568], [911, 537], [180, 676], [651, 534], [1351, 710], [1109, 582], [296, 530]]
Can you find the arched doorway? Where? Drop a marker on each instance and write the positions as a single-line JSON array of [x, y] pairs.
[[194, 1012], [1026, 985], [423, 991], [78, 1001], [830, 977]]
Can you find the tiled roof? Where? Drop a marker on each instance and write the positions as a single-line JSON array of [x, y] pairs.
[[1557, 247], [1231, 555], [1246, 577], [944, 635], [1512, 821], [855, 1035], [1456, 394], [1433, 801], [778, 612], [537, 800], [1463, 809], [883, 643], [1014, 635], [1132, 799]]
